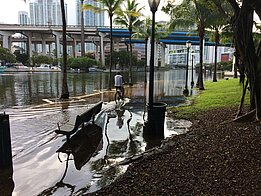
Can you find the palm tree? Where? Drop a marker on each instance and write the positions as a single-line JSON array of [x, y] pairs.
[[187, 14], [144, 32], [218, 23], [129, 17], [82, 32], [110, 6], [65, 91]]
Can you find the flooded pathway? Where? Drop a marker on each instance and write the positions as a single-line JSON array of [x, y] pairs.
[[38, 169]]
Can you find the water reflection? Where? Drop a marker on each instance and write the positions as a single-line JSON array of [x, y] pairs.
[[83, 145], [24, 89], [31, 100], [6, 181], [21, 89], [61, 184]]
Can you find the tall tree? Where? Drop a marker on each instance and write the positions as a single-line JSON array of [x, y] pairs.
[[129, 16], [110, 6], [250, 53], [82, 31], [187, 14], [218, 22], [144, 31], [65, 91], [6, 55]]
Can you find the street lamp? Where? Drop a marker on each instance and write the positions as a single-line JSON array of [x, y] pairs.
[[154, 126], [153, 8], [192, 62], [186, 92]]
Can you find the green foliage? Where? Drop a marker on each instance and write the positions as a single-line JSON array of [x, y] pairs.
[[82, 63], [23, 58], [129, 16], [90, 55], [224, 93], [41, 59], [141, 63], [225, 66], [122, 58], [6, 56], [109, 6], [143, 31], [222, 66], [182, 15]]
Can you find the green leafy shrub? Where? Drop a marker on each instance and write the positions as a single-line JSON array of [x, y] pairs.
[[82, 63], [6, 56]]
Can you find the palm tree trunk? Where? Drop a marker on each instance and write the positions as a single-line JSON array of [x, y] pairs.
[[215, 61], [200, 84], [82, 33], [111, 47], [146, 60], [65, 92], [130, 66]]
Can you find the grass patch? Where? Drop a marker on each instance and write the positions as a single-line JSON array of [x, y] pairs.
[[224, 93]]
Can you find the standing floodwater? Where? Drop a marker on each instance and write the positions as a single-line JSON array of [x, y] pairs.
[[30, 99]]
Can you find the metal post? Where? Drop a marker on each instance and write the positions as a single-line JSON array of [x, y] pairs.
[[185, 92], [151, 82], [192, 81], [5, 142]]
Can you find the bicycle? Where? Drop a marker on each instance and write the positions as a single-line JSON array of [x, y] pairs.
[[118, 95]]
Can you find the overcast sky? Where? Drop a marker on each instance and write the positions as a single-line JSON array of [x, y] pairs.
[[9, 11]]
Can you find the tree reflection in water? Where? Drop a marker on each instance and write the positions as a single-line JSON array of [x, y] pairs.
[[60, 184], [82, 146]]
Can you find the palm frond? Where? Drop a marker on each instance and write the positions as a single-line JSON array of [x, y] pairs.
[[92, 8]]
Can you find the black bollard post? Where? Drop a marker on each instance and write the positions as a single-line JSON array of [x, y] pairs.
[[5, 142], [155, 126], [6, 165]]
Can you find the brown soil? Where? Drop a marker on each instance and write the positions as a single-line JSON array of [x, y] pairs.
[[213, 158]]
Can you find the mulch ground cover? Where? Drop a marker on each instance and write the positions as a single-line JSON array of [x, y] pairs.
[[216, 157]]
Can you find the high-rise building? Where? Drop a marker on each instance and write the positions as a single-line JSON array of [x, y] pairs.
[[90, 19], [23, 18], [46, 12]]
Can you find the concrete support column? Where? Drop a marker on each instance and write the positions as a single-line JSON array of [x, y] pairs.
[[162, 54], [6, 39], [148, 52], [102, 55], [117, 41], [74, 44], [57, 45], [44, 46], [96, 51], [156, 54], [74, 47], [29, 45], [50, 49], [35, 48]]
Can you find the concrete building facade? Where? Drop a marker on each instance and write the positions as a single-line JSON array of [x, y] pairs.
[[23, 18], [46, 12], [90, 19]]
